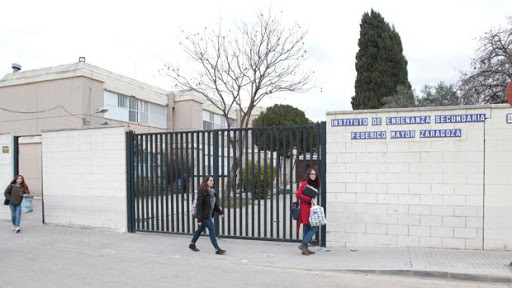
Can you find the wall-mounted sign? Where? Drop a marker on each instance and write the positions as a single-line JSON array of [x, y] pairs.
[[377, 121], [407, 120], [440, 133], [5, 149], [460, 118], [349, 122], [411, 120], [509, 118], [365, 135], [403, 134]]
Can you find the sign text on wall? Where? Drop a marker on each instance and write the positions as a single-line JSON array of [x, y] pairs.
[[368, 135], [403, 134], [411, 120], [407, 120], [440, 133], [460, 118], [349, 122]]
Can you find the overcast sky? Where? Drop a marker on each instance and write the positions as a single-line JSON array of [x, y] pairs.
[[136, 38]]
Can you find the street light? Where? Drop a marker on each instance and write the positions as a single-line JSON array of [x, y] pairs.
[[100, 110], [87, 119]]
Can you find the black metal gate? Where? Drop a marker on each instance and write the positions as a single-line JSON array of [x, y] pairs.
[[256, 171]]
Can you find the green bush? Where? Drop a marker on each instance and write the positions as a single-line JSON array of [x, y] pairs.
[[233, 203], [148, 187], [256, 179]]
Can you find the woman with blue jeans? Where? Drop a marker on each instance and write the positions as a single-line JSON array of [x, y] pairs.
[[14, 194], [205, 208], [311, 178]]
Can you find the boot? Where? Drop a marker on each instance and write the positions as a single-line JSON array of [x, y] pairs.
[[304, 249], [310, 251], [193, 247], [220, 251]]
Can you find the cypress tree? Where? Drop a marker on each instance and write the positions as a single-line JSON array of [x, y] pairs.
[[380, 64]]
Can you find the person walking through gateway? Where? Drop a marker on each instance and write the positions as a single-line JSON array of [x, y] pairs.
[[311, 180], [205, 207], [14, 195]]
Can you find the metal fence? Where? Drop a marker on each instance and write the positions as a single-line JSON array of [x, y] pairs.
[[256, 171]]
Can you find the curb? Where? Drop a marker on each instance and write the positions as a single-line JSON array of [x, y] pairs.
[[438, 275], [484, 278]]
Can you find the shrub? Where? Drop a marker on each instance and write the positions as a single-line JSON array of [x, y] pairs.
[[149, 187], [256, 178]]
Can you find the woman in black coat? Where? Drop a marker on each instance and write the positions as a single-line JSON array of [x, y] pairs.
[[205, 207], [14, 195]]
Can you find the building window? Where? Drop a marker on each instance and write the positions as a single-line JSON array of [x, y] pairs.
[[215, 121], [130, 109]]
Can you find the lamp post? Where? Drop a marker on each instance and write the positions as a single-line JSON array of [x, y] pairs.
[[87, 119]]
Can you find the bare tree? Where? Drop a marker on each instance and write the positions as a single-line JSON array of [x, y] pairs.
[[492, 69], [236, 70]]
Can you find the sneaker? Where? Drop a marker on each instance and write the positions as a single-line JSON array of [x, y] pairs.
[[17, 230], [13, 228], [193, 247], [220, 251]]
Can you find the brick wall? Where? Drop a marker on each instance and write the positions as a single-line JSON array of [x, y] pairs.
[[415, 185], [84, 178]]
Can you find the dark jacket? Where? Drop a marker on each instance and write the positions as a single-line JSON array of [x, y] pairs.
[[15, 194], [203, 206]]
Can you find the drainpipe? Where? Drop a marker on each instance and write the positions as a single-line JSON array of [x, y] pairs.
[[172, 97], [483, 182]]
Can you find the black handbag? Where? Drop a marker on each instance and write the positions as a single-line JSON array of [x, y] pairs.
[[295, 210], [6, 201]]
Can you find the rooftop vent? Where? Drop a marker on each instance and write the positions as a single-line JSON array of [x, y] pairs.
[[16, 67]]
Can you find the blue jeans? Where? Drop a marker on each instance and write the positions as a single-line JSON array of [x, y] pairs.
[[207, 223], [15, 214], [309, 232]]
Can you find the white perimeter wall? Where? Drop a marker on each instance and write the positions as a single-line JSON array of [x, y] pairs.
[[6, 171], [420, 192], [84, 178]]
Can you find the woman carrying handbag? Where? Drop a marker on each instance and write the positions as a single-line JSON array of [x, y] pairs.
[[14, 194], [306, 195], [205, 207]]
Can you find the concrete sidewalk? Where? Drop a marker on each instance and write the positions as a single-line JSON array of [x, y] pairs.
[[486, 266]]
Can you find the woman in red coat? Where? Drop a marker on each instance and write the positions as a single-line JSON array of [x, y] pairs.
[[311, 178]]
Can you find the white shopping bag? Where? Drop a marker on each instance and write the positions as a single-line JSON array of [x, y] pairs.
[[26, 204], [317, 216]]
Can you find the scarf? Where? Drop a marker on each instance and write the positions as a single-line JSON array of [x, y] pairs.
[[211, 193]]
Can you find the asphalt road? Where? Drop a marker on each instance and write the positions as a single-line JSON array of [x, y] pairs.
[[71, 266]]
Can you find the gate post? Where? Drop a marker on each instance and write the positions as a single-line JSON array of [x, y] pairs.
[[129, 182], [215, 172], [323, 167], [15, 153]]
